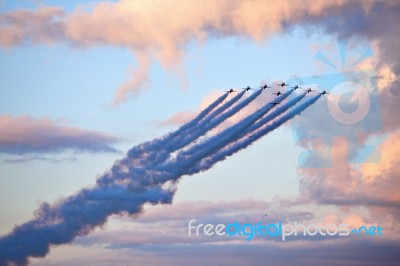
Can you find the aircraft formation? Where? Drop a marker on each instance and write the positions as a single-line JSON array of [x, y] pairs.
[[279, 92]]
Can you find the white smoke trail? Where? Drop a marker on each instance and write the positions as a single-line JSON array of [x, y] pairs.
[[151, 153], [75, 216], [245, 142], [157, 173], [275, 113], [235, 130], [138, 178], [175, 168], [163, 149], [209, 123], [137, 151]]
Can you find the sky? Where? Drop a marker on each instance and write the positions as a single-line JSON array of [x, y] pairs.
[[84, 83]]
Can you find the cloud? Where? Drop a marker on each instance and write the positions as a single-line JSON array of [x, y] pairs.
[[374, 184], [359, 252], [372, 21], [390, 158], [162, 225], [42, 26], [25, 134], [389, 100], [160, 30], [226, 210], [162, 233], [167, 225], [365, 252], [353, 252], [176, 119], [137, 82], [182, 117], [28, 159]]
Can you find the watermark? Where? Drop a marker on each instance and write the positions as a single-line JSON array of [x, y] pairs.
[[351, 111], [279, 230]]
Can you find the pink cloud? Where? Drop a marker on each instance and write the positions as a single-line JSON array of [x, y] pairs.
[[159, 30], [182, 117], [166, 226], [372, 186], [177, 119], [25, 134], [44, 25], [136, 83]]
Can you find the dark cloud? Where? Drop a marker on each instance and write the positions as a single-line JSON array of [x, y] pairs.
[[370, 21], [375, 21], [334, 179]]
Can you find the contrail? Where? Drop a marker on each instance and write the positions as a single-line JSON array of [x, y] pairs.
[[146, 151], [153, 145], [244, 143], [275, 113], [211, 124], [77, 215], [163, 149], [158, 174], [173, 169], [279, 110], [236, 129]]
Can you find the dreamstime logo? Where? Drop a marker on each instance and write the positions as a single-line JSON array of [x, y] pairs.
[[249, 231], [350, 111]]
